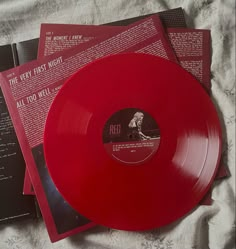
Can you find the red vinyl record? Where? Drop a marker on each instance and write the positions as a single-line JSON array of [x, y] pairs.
[[132, 141]]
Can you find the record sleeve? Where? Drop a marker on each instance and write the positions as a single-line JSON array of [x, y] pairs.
[[29, 91]]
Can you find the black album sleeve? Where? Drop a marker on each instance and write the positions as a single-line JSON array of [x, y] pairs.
[[13, 204], [173, 18]]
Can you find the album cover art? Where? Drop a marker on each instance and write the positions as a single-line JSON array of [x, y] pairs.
[[58, 206]]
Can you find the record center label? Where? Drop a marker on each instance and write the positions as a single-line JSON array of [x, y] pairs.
[[131, 136]]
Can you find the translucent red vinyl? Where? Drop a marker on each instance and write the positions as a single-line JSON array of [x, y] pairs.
[[156, 191]]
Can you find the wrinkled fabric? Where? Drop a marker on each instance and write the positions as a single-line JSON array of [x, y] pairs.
[[206, 226]]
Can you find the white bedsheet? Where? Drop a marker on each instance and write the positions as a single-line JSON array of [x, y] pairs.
[[207, 226]]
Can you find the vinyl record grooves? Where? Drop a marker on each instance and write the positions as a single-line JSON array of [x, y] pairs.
[[132, 141]]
